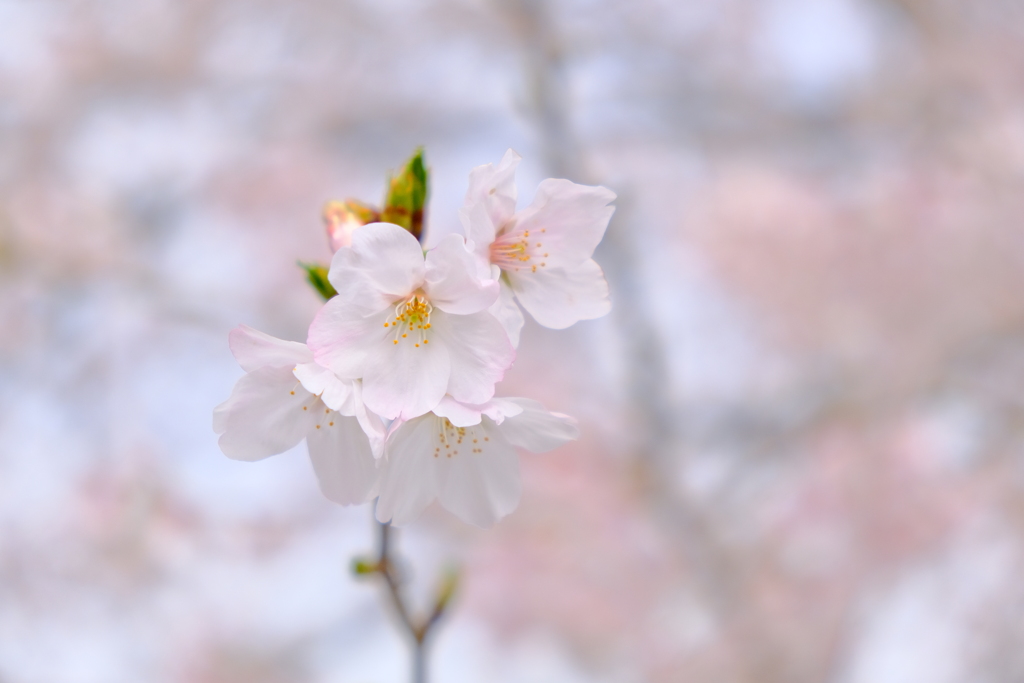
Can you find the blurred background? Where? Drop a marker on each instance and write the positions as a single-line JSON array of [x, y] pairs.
[[803, 422]]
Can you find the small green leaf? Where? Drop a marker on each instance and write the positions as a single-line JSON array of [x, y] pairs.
[[449, 584], [362, 566], [406, 197], [316, 274]]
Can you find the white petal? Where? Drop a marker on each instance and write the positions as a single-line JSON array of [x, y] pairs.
[[459, 414], [568, 219], [468, 415], [480, 481], [320, 381], [410, 479], [480, 231], [254, 349], [343, 459], [385, 257], [354, 286], [558, 297], [220, 417], [453, 281], [372, 425], [268, 413], [506, 310], [537, 429], [480, 354], [403, 380], [341, 336], [498, 409], [494, 187]]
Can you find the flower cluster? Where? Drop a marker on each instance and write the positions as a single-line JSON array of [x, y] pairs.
[[394, 389]]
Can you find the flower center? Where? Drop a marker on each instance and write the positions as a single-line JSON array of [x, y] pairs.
[[514, 251], [411, 321], [450, 438]]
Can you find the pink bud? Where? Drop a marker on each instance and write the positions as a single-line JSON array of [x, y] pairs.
[[342, 218]]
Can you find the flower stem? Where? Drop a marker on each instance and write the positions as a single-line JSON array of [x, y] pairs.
[[417, 630]]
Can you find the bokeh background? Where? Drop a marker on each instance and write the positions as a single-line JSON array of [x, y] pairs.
[[802, 423]]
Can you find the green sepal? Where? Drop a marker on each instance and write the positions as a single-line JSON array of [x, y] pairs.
[[316, 275], [406, 197], [362, 566]]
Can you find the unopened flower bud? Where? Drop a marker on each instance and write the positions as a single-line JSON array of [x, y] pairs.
[[342, 218], [407, 196]]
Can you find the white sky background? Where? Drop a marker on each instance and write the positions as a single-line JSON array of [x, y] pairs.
[[162, 167]]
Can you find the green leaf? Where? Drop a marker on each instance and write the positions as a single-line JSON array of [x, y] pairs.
[[406, 197], [362, 566], [445, 591], [316, 275]]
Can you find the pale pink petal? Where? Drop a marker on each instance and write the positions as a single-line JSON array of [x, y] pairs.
[[480, 354], [480, 231], [405, 380], [499, 409], [343, 459], [567, 221], [341, 336], [354, 286], [220, 417], [371, 423], [537, 429], [452, 279], [479, 482], [494, 187], [459, 414], [507, 311], [320, 381], [558, 297], [254, 349], [385, 258], [410, 479], [268, 413]]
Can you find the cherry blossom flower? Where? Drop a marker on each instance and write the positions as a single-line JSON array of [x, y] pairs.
[[413, 327], [542, 253], [464, 456], [286, 397]]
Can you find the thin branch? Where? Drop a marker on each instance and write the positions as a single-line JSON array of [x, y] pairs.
[[418, 630]]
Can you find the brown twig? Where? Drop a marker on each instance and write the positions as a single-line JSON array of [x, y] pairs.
[[418, 630]]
